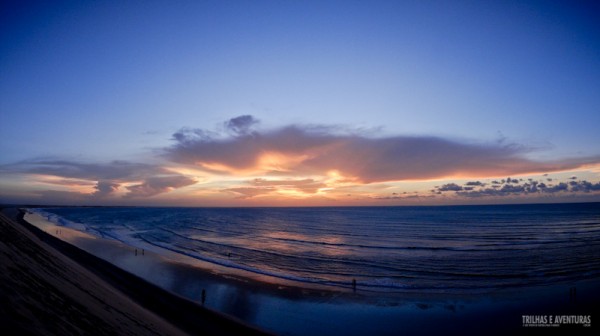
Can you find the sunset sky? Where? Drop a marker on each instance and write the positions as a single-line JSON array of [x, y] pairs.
[[299, 103]]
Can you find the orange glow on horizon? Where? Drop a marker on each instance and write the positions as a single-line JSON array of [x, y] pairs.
[[70, 184], [259, 186]]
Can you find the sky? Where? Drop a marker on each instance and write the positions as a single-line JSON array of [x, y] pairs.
[[299, 103]]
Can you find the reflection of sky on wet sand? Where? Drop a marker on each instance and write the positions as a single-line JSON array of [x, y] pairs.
[[145, 264], [185, 280]]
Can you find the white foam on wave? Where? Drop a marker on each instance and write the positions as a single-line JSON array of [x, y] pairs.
[[230, 264], [121, 235], [384, 282], [58, 220]]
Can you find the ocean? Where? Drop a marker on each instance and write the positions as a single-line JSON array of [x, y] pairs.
[[452, 249]]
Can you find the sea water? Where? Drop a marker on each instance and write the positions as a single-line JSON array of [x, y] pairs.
[[384, 249]]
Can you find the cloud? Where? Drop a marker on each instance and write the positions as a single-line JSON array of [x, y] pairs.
[[585, 186], [189, 135], [114, 170], [58, 197], [67, 182], [559, 187], [306, 151], [157, 185], [260, 186], [305, 185], [529, 188], [241, 125], [249, 192], [404, 197], [107, 178], [450, 187], [105, 188]]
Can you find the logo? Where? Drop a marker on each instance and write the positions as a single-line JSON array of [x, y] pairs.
[[556, 320]]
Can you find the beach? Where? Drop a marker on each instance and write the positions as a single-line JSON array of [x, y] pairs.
[[44, 292], [236, 299]]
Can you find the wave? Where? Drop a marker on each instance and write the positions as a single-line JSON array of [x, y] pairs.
[[425, 250], [58, 220]]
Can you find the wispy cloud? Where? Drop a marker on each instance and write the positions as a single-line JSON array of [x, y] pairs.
[[305, 185], [249, 192], [114, 170], [139, 179], [158, 185], [260, 186]]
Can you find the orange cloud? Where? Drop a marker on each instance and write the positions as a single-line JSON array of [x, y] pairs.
[[304, 151]]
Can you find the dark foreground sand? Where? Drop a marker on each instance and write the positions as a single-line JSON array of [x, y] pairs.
[[44, 292]]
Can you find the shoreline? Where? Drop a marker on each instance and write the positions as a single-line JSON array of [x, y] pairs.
[[188, 316], [297, 310], [42, 292]]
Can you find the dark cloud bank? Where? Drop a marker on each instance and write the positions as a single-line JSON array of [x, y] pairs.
[[514, 187]]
